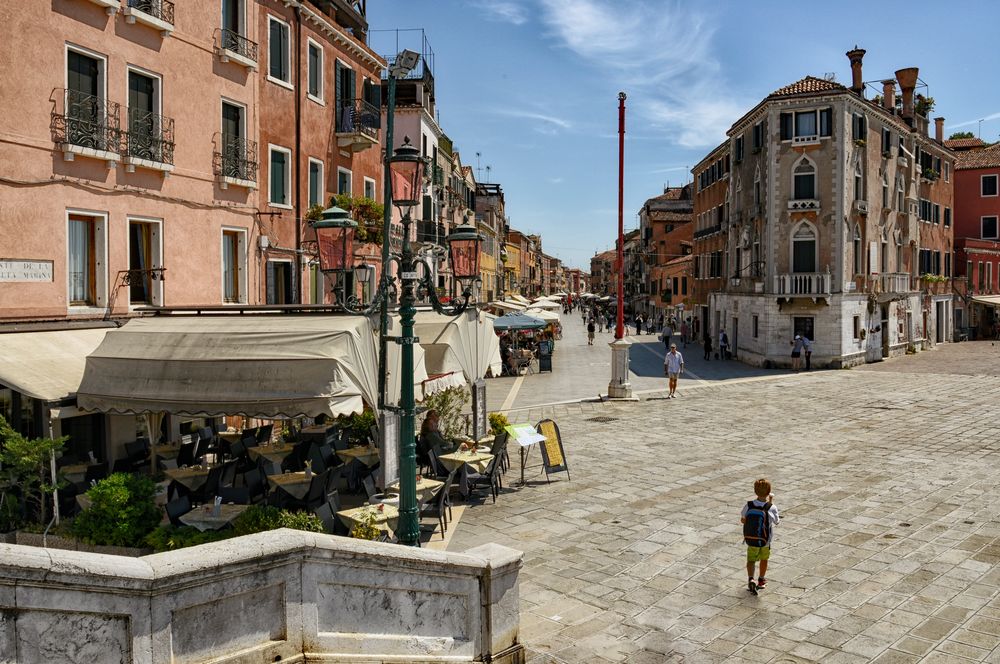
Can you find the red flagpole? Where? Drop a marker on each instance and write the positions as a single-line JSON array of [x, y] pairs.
[[620, 318]]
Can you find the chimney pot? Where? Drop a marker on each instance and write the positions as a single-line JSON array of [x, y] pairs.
[[889, 94], [939, 130], [907, 82], [856, 55]]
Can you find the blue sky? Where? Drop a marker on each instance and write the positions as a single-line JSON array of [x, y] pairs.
[[532, 85]]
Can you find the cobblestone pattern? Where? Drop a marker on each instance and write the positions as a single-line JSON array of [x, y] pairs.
[[887, 551]]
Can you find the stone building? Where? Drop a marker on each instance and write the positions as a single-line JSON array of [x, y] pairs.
[[838, 225], [491, 220], [602, 273], [666, 234]]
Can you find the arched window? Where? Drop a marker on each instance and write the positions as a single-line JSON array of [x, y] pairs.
[[859, 182], [885, 191], [900, 195], [804, 180], [804, 248], [755, 255], [884, 256], [899, 252], [737, 202], [857, 250], [757, 199]]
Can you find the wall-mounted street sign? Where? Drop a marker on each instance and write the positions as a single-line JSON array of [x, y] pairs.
[[15, 269]]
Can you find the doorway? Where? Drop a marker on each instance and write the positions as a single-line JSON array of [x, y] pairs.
[[939, 322], [885, 330], [734, 341]]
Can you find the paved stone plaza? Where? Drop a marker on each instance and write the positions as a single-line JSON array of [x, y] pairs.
[[887, 550]]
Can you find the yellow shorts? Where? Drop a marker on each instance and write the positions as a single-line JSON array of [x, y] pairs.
[[755, 553]]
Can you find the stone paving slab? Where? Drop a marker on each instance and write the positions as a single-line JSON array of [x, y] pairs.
[[888, 550]]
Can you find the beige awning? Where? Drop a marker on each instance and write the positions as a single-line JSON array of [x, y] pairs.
[[47, 365], [545, 304], [547, 316], [255, 365], [506, 306], [465, 344], [988, 300]]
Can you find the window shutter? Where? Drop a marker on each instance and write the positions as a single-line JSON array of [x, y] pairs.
[[337, 89], [786, 126], [351, 84], [826, 122], [428, 211]]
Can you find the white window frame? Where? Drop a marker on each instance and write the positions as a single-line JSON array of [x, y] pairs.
[[946, 167], [243, 115], [157, 88], [100, 260], [996, 224], [156, 285], [791, 247], [815, 176], [102, 66], [322, 181], [288, 180], [291, 273], [271, 18], [982, 180], [374, 185], [350, 180], [242, 264], [319, 99]]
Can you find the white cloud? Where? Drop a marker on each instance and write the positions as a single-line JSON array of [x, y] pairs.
[[550, 123], [507, 12], [991, 116], [662, 55]]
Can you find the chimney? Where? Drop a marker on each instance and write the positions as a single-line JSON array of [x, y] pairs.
[[939, 130], [856, 55], [889, 94], [907, 83]]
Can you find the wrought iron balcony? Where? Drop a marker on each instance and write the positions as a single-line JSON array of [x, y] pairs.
[[357, 124], [149, 140], [87, 125], [802, 283], [237, 162], [238, 48], [157, 14]]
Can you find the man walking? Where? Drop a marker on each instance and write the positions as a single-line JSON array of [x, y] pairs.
[[673, 366], [807, 349]]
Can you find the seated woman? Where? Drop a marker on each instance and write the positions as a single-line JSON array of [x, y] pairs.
[[431, 433]]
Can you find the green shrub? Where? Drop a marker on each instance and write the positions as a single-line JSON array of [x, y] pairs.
[[122, 512], [169, 538], [497, 423], [26, 464], [449, 404], [358, 424], [260, 518]]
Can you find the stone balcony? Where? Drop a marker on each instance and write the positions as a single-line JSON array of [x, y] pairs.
[[807, 284], [895, 282], [803, 204]]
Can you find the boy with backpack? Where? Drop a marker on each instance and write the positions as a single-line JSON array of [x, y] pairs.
[[759, 516]]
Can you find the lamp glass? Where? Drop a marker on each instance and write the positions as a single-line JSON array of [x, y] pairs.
[[407, 170], [336, 244], [463, 246]]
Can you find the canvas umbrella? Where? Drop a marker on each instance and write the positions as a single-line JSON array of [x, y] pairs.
[[518, 322]]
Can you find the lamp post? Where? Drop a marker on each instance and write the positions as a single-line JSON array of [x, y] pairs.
[[619, 387], [335, 235]]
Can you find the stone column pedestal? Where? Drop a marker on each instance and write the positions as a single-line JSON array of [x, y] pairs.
[[619, 387]]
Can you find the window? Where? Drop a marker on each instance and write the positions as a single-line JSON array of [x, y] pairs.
[[805, 124], [315, 71], [232, 16], [982, 277], [279, 282], [234, 258], [899, 252], [989, 228], [144, 138], [989, 185], [738, 149], [857, 250], [343, 181], [757, 199], [316, 192], [885, 191], [344, 82], [989, 277], [804, 249], [369, 188], [278, 45], [947, 171], [803, 326], [859, 187], [826, 122], [684, 285], [859, 127], [936, 214], [900, 195], [804, 181], [675, 290], [84, 103], [968, 273], [86, 262], [758, 136], [886, 141], [884, 258], [947, 264], [143, 255], [279, 172], [947, 217], [755, 326], [857, 327]]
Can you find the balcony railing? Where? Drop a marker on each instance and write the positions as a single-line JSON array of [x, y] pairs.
[[895, 282], [861, 207], [438, 176], [158, 14], [238, 160], [88, 122], [707, 231], [800, 204], [150, 137], [802, 283], [358, 116], [235, 44]]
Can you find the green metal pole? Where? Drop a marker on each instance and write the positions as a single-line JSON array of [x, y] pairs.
[[409, 521], [386, 234]]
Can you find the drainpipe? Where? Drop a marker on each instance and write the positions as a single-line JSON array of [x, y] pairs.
[[297, 205]]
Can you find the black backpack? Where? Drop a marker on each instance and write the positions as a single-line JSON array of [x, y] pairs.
[[757, 526]]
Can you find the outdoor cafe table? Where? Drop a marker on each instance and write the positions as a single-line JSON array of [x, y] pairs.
[[426, 488], [191, 478], [364, 454], [203, 519], [231, 436], [295, 485], [477, 461], [315, 433], [386, 520], [273, 453], [75, 472]]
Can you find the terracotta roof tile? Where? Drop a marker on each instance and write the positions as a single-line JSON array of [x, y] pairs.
[[808, 85], [988, 157], [964, 143]]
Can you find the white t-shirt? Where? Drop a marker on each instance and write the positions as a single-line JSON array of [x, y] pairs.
[[772, 514], [673, 362]]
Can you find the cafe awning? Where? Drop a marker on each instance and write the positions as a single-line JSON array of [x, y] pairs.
[[465, 344], [988, 300], [505, 306], [547, 316], [47, 365], [255, 365]]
